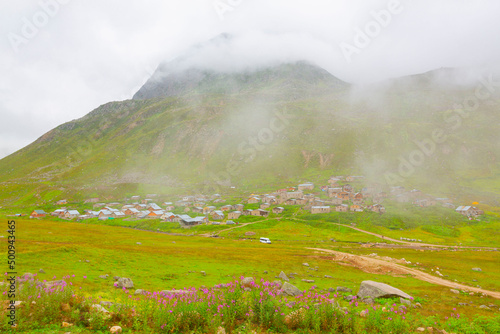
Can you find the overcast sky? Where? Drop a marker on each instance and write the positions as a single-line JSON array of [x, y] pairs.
[[60, 59]]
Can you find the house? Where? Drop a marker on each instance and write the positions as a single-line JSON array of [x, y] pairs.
[[356, 208], [198, 209], [153, 207], [377, 208], [342, 208], [168, 216], [141, 207], [270, 199], [469, 211], [188, 198], [208, 209], [278, 210], [239, 207], [131, 211], [217, 215], [146, 200], [58, 212], [264, 206], [38, 214], [334, 201], [70, 214], [62, 202], [234, 215], [333, 181], [155, 214], [226, 208], [253, 200], [290, 201], [306, 186], [347, 188], [246, 212], [301, 201], [320, 209], [332, 192], [292, 194], [260, 212], [344, 196], [118, 215], [169, 207], [135, 198], [182, 203]]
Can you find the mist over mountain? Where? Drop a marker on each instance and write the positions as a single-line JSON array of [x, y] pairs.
[[197, 127]]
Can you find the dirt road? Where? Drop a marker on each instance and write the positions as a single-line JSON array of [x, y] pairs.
[[229, 229], [377, 266]]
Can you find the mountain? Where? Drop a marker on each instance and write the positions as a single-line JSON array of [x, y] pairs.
[[199, 130]]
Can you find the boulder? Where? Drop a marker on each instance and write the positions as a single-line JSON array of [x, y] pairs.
[[125, 282], [139, 292], [203, 273], [328, 276], [66, 324], [99, 308], [104, 276], [278, 283], [283, 276], [65, 307], [343, 289], [41, 271], [247, 282], [305, 264], [290, 290], [174, 292], [308, 280], [249, 233], [405, 301], [476, 269], [115, 329], [455, 291], [380, 290]]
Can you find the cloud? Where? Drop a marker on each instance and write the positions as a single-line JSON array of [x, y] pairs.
[[90, 53]]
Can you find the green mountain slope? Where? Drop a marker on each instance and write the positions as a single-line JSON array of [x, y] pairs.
[[264, 128]]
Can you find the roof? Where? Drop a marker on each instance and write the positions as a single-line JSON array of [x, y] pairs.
[[73, 212], [154, 206], [220, 213], [40, 212], [463, 208], [118, 213], [105, 212], [320, 207]]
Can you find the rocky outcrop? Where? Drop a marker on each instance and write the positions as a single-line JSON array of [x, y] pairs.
[[380, 290]]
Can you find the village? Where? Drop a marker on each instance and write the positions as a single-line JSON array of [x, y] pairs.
[[340, 194]]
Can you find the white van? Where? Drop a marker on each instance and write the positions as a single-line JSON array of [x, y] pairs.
[[265, 240]]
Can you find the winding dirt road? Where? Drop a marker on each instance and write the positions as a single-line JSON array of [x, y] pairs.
[[377, 266]]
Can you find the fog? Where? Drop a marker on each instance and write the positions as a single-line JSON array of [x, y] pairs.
[[61, 59]]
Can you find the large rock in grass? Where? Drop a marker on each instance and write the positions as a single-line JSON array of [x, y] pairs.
[[247, 282], [125, 282], [283, 276], [380, 290], [290, 290]]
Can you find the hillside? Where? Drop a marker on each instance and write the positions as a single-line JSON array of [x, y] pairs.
[[203, 131]]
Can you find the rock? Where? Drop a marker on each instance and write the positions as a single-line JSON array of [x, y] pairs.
[[368, 301], [41, 271], [66, 324], [343, 289], [421, 329], [221, 330], [484, 307], [99, 308], [139, 292], [476, 269], [430, 329], [405, 301], [265, 272], [247, 289], [363, 313], [65, 307], [125, 282], [115, 329], [305, 264], [462, 304], [308, 280], [349, 298], [380, 290], [283, 276], [278, 283], [104, 276], [290, 290], [455, 291], [328, 276], [418, 305], [438, 273], [332, 290], [106, 303], [249, 233], [203, 273], [27, 277], [138, 243], [247, 282]]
